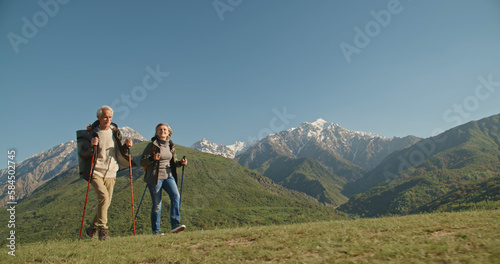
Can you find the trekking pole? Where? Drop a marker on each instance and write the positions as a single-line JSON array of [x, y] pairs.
[[182, 182], [131, 189], [150, 176], [88, 185]]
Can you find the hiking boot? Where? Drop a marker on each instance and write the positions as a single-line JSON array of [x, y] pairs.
[[103, 234], [92, 232], [178, 229]]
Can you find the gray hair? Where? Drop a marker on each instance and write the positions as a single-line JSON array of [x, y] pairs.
[[104, 107]]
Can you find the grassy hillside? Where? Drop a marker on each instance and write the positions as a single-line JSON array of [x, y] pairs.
[[308, 176], [463, 156], [322, 178], [465, 237], [484, 194], [217, 192], [476, 143]]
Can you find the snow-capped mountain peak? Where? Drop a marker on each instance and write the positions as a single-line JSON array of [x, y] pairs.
[[309, 139], [321, 126], [229, 151], [320, 123], [128, 132]]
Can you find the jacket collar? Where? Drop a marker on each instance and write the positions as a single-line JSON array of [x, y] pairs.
[[113, 126], [157, 143]]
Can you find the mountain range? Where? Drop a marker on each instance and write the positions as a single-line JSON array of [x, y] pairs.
[[380, 175], [335, 154], [363, 149]]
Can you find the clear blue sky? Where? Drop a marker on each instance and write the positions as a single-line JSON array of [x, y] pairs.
[[223, 69]]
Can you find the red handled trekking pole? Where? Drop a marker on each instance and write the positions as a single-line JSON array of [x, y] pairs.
[[88, 185], [131, 189], [182, 182]]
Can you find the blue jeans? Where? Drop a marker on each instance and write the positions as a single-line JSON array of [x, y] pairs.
[[170, 187]]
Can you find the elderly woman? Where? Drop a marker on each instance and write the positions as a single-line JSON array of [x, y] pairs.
[[160, 163]]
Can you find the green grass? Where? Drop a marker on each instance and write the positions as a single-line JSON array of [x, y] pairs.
[[459, 237]]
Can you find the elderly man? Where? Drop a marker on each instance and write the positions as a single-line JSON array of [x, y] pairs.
[[110, 157]]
